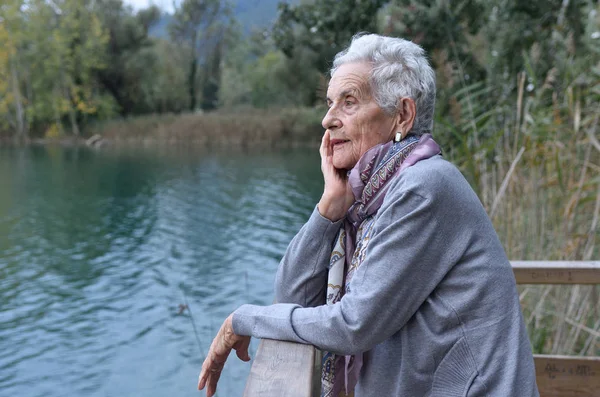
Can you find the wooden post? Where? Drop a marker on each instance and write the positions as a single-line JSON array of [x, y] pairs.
[[282, 369]]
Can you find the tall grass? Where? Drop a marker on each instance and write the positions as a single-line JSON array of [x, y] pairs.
[[239, 127], [535, 163]]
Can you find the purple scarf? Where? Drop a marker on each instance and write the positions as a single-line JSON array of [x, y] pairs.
[[369, 180]]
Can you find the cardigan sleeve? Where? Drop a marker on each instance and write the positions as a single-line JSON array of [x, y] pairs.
[[415, 243], [302, 274]]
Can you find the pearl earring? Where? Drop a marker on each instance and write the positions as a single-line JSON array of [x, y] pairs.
[[398, 137]]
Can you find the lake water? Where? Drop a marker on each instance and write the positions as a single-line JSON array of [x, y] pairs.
[[98, 250]]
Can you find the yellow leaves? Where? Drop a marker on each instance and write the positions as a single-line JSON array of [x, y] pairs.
[[86, 108], [98, 32], [63, 105], [63, 44], [80, 99], [6, 98], [53, 132]]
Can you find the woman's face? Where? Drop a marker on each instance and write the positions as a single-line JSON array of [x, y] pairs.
[[354, 120]]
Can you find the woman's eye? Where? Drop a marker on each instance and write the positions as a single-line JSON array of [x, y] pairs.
[[349, 103]]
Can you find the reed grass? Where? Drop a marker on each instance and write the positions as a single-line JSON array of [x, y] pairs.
[[239, 127], [535, 164]]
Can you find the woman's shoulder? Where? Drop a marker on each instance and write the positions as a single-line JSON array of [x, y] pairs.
[[432, 178], [435, 186]]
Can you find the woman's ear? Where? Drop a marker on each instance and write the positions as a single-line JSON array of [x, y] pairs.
[[405, 118]]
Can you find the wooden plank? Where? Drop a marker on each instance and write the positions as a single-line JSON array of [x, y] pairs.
[[556, 272], [283, 369], [565, 376]]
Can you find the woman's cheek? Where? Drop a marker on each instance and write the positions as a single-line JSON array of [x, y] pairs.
[[355, 153]]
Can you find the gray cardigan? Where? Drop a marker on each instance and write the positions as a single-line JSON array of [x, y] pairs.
[[434, 304]]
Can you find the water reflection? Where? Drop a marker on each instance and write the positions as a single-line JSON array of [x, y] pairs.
[[98, 249]]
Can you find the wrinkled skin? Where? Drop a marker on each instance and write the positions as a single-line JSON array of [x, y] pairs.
[[353, 124], [225, 341], [354, 121]]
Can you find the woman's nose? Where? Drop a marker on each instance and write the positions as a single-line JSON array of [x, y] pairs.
[[331, 121]]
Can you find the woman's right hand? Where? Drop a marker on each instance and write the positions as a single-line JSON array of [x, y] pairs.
[[337, 195]]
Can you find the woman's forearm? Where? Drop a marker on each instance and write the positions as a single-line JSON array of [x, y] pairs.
[[302, 274]]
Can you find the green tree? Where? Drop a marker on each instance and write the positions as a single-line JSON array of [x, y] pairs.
[[193, 27], [65, 45], [155, 77], [483, 40], [128, 76], [256, 73], [538, 30], [80, 43], [12, 101], [211, 79], [325, 27]]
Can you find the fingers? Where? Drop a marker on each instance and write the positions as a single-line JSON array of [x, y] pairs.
[[220, 349], [213, 379], [210, 381], [241, 348], [207, 369], [213, 364], [326, 152], [210, 374], [203, 376], [328, 148], [324, 144]]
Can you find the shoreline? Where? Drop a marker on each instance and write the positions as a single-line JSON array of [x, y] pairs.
[[151, 142], [287, 127]]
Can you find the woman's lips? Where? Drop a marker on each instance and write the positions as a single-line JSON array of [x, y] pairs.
[[338, 142]]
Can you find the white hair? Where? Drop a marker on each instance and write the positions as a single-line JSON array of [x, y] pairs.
[[399, 69]]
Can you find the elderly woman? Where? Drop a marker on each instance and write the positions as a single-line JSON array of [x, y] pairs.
[[398, 275]]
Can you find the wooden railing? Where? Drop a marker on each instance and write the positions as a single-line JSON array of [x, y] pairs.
[[555, 272], [286, 369]]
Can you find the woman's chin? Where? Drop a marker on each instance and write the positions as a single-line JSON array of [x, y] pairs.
[[343, 163]]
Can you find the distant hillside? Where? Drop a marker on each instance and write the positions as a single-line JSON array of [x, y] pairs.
[[249, 13], [160, 29]]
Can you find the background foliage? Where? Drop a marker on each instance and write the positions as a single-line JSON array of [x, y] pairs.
[[65, 64]]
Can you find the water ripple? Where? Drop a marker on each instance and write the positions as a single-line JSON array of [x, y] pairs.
[[101, 250]]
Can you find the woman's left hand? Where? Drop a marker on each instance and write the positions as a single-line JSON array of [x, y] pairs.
[[220, 348]]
